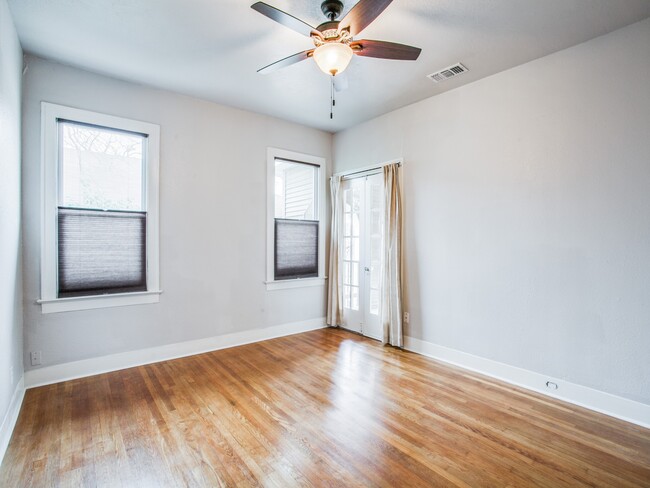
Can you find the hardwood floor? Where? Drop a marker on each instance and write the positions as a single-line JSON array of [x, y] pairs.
[[324, 408]]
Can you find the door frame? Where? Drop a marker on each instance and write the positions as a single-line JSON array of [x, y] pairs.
[[363, 172]]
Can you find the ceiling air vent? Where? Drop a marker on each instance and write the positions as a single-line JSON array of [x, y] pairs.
[[449, 72]]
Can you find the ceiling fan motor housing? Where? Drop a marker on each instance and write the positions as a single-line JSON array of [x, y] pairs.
[[332, 8]]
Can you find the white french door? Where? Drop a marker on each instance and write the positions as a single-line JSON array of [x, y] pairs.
[[362, 247]]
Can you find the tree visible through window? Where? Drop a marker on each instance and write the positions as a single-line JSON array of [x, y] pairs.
[[101, 168]]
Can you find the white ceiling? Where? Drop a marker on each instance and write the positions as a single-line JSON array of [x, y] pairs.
[[211, 49]]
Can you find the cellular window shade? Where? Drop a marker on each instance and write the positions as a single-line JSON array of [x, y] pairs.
[[101, 252], [296, 249]]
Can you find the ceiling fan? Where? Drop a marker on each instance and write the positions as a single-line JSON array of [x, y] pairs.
[[333, 39]]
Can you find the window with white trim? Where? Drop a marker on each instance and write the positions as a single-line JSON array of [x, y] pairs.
[[295, 240], [100, 215]]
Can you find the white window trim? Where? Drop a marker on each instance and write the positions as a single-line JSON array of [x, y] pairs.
[[49, 301], [272, 154]]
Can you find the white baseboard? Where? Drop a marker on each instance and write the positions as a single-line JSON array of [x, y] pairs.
[[612, 405], [11, 417], [114, 362]]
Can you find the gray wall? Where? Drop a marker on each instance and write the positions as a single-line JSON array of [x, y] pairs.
[[11, 313], [212, 220], [527, 201]]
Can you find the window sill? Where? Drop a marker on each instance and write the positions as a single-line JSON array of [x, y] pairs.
[[295, 283], [98, 301]]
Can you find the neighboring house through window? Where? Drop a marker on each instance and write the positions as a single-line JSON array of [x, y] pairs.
[[295, 209], [100, 215]]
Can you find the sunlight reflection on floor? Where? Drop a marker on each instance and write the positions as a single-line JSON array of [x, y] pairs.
[[356, 388]]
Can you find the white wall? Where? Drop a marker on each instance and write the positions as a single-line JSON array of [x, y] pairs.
[[527, 202], [212, 214], [11, 351]]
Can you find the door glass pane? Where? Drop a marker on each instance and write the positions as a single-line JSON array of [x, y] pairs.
[[355, 298], [375, 273], [356, 199], [355, 248], [347, 200], [354, 229], [347, 248], [375, 220], [374, 302], [374, 248], [354, 279]]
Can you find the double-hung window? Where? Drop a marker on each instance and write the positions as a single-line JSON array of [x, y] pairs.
[[100, 214], [295, 210]]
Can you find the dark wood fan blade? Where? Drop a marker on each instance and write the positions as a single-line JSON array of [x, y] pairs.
[[362, 14], [288, 61], [385, 50], [284, 18]]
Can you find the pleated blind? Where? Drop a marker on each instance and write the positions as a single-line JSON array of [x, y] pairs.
[[101, 252], [296, 249]]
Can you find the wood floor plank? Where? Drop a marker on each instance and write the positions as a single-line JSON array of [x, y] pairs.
[[323, 408]]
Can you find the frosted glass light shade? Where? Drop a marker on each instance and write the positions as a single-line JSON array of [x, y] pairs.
[[332, 58]]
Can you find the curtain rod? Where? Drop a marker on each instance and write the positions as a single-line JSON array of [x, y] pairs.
[[367, 170]]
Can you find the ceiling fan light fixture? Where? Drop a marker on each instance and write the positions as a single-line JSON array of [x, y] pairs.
[[333, 57]]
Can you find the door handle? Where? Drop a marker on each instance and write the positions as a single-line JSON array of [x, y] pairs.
[[367, 269]]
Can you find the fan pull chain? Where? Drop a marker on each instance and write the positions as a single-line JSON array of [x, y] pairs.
[[332, 102]]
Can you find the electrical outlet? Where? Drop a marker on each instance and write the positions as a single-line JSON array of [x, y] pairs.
[[35, 357], [551, 385], [406, 317]]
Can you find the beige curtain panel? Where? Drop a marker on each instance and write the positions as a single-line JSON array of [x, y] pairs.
[[334, 294], [391, 305]]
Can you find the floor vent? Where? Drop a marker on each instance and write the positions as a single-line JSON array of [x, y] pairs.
[[449, 72]]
